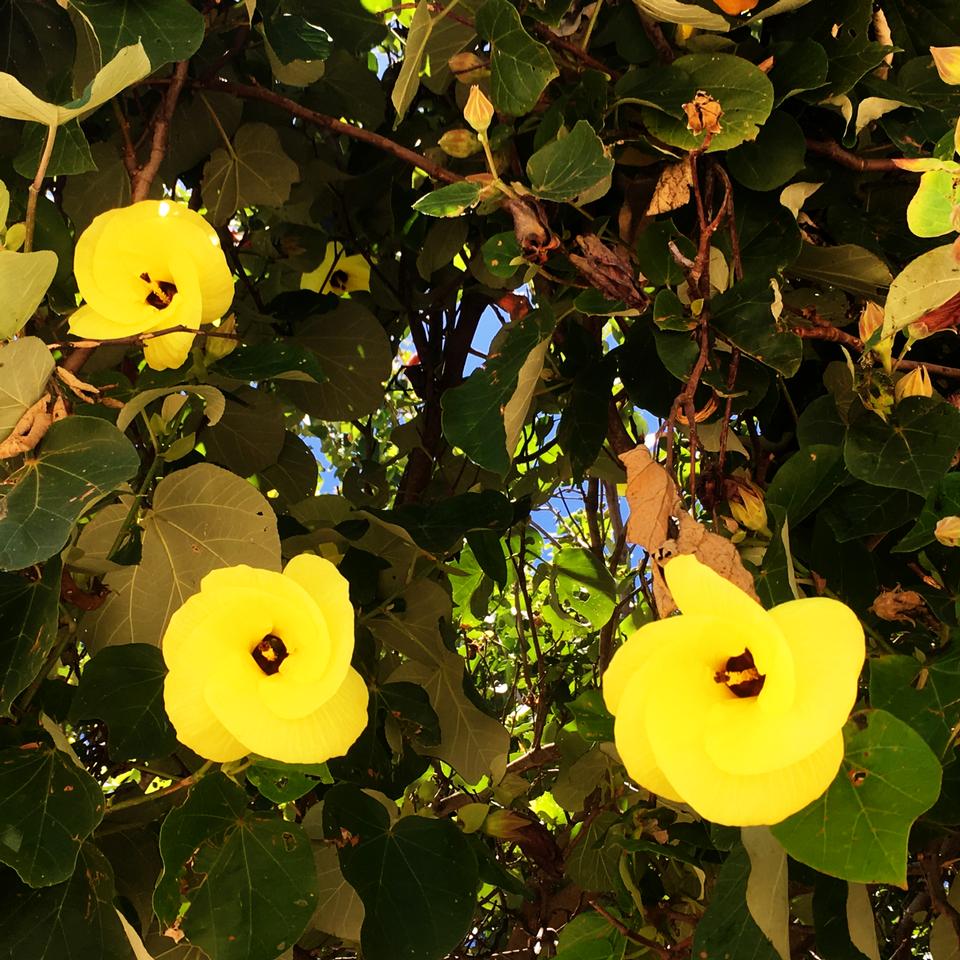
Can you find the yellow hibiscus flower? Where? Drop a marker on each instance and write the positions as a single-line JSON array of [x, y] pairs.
[[338, 273], [259, 662], [150, 266], [732, 709]]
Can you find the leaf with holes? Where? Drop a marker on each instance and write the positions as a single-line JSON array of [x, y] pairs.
[[48, 807], [123, 687], [73, 919], [858, 829]]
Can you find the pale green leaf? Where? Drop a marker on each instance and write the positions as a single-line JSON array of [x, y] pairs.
[[474, 744], [254, 171], [449, 201], [355, 355], [25, 368], [405, 89], [924, 283], [203, 518], [767, 887], [127, 67], [567, 167], [24, 279]]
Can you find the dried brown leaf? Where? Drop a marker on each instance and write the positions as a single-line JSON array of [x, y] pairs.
[[85, 391], [610, 271], [899, 605], [30, 429], [652, 497], [709, 548], [672, 190]]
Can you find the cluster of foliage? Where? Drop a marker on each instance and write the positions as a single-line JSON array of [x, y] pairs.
[[723, 231]]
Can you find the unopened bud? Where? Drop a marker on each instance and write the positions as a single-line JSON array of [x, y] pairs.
[[218, 347], [871, 329], [460, 143], [748, 508], [479, 110], [468, 67], [947, 531], [914, 384]]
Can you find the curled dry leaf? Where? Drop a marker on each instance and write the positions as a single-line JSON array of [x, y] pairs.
[[32, 427], [610, 271], [660, 525], [703, 114], [531, 229], [900, 605], [87, 392], [709, 548]]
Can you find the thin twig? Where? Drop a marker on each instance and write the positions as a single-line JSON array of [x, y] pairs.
[[253, 92], [33, 193]]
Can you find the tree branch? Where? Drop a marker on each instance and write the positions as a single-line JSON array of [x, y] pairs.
[[253, 92], [836, 153], [145, 176]]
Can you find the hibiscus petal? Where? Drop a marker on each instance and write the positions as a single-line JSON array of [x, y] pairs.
[[633, 743], [86, 322], [196, 725], [826, 641], [327, 732], [678, 713], [331, 592], [638, 648], [698, 589]]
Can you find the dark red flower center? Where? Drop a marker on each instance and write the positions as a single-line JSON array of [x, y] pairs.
[[741, 675], [269, 653]]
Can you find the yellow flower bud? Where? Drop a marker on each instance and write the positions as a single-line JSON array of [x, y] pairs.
[[914, 384], [479, 110], [947, 531], [218, 347], [468, 67], [460, 143], [749, 510], [871, 321]]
